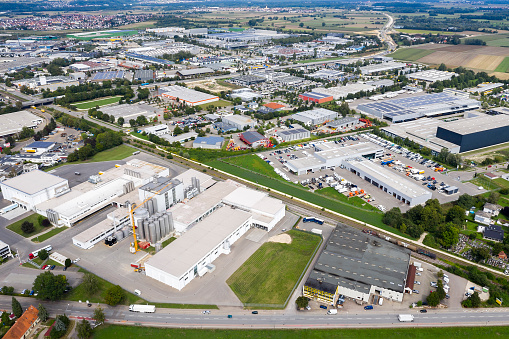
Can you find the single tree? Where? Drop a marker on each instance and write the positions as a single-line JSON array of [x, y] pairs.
[[99, 316], [302, 302], [433, 299], [45, 222], [43, 313], [27, 227], [90, 283], [114, 295], [43, 254], [68, 262], [16, 308], [84, 329], [50, 286]]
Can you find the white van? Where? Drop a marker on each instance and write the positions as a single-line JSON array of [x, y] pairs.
[[332, 311], [380, 301]]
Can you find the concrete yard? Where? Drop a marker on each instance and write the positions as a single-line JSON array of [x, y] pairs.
[[22, 277]]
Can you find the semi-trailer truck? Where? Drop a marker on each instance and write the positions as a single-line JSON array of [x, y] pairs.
[[142, 308], [405, 318]]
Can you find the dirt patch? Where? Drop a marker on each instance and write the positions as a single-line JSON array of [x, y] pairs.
[[429, 46], [209, 84], [281, 238], [501, 76], [448, 58], [460, 48]]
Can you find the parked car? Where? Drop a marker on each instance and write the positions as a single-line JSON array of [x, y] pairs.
[[52, 267], [369, 307], [44, 267], [433, 284], [254, 312], [423, 311], [415, 291], [417, 282]]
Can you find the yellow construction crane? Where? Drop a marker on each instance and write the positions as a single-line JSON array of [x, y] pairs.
[[135, 208]]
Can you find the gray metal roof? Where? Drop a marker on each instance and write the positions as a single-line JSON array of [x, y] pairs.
[[358, 260]]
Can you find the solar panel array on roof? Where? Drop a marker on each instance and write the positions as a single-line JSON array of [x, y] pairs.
[[108, 75], [148, 58]]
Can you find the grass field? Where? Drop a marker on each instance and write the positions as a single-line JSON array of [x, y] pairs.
[[270, 274], [318, 60], [501, 182], [227, 84], [410, 54], [424, 32], [219, 103], [16, 227], [49, 234], [254, 163], [371, 217], [99, 102], [494, 40], [128, 332], [503, 66]]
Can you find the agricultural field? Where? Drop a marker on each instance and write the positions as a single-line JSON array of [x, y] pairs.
[[270, 274], [410, 54], [495, 40], [503, 66], [482, 58], [212, 85]]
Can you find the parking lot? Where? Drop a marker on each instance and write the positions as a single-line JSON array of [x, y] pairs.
[[403, 164]]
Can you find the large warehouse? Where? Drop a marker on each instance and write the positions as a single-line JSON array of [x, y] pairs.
[[239, 121], [478, 132], [12, 123], [318, 98], [358, 265], [128, 112], [186, 95], [315, 116], [331, 155], [431, 75], [292, 134], [32, 188], [400, 188], [209, 224], [414, 107]]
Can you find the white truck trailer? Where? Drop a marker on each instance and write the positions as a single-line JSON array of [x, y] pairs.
[[404, 318], [142, 308]]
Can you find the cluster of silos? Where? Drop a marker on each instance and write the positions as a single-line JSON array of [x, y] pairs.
[[121, 233], [153, 227]]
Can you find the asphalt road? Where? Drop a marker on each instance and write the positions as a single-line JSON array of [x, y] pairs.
[[270, 319]]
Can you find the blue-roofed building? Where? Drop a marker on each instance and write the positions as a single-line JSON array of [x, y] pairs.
[[224, 127], [208, 142], [39, 147]]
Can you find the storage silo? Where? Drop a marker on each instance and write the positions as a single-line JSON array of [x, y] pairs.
[[152, 233], [158, 246], [140, 214], [146, 234], [170, 222], [158, 229], [166, 225], [126, 231]]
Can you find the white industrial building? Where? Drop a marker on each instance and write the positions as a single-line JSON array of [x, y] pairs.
[[39, 147], [315, 116], [292, 134], [12, 123], [382, 67], [245, 94], [5, 250], [431, 76], [239, 121], [192, 254], [386, 180], [111, 187], [208, 225], [186, 95], [158, 130], [33, 188], [341, 92], [330, 155]]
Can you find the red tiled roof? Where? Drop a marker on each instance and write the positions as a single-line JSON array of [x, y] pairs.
[[22, 325], [410, 279], [274, 105]]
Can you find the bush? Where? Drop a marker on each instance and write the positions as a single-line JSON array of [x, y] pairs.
[[46, 222], [43, 254], [27, 227], [68, 262]]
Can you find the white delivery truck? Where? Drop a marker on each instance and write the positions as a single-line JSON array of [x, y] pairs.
[[142, 308], [405, 318], [332, 311]]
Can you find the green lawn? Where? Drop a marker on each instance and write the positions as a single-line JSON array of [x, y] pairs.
[[219, 103], [424, 32], [33, 218], [410, 54], [186, 306], [501, 182], [503, 66], [127, 332], [318, 60], [49, 234], [168, 241], [227, 84], [99, 102], [486, 183], [270, 274], [361, 214]]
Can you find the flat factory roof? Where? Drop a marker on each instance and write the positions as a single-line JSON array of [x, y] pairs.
[[128, 111], [388, 177], [205, 180], [185, 252], [187, 94], [33, 182], [356, 259], [11, 123], [477, 124]]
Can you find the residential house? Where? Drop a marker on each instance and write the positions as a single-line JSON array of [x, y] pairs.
[[24, 325], [483, 217], [494, 233], [494, 209]]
